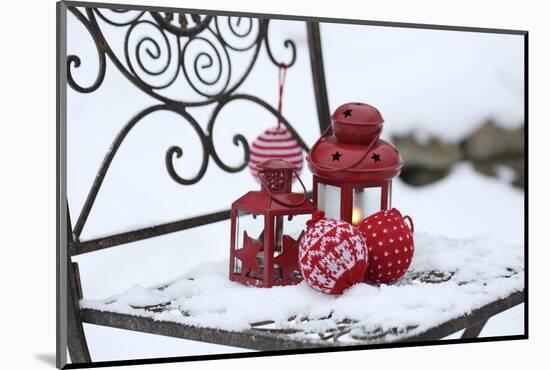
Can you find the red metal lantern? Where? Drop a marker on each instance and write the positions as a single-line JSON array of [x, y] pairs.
[[266, 226], [353, 169]]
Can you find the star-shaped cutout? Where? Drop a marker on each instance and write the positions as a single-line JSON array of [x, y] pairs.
[[336, 156], [376, 157], [347, 113], [248, 253], [288, 259]]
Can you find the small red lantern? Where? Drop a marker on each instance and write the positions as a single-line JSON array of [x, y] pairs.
[[353, 169], [264, 251]]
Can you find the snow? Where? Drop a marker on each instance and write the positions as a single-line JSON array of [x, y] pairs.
[[423, 81], [481, 271]]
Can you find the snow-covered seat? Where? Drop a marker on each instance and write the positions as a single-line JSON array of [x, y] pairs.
[[451, 285]]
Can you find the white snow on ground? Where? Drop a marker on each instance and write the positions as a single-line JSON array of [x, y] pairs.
[[484, 270], [438, 82]]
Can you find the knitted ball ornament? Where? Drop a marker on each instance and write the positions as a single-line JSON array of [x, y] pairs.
[[390, 245], [332, 254], [275, 143]]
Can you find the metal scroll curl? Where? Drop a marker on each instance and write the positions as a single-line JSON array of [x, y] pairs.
[[154, 48], [238, 33], [119, 139], [190, 54], [206, 65], [289, 44], [134, 17], [174, 47], [75, 61], [184, 26]]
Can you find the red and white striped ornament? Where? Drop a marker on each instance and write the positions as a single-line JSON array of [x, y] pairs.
[[275, 143]]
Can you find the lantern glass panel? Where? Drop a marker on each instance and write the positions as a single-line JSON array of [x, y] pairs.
[[328, 200], [253, 226], [290, 227], [366, 201], [294, 225]]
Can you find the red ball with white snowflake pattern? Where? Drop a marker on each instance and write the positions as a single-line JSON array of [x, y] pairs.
[[390, 244], [332, 254]]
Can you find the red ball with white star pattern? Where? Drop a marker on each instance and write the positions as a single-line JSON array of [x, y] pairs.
[[390, 245], [332, 254]]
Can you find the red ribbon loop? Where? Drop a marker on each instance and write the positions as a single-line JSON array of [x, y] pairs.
[[282, 80]]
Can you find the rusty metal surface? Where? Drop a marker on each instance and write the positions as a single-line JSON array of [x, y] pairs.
[[76, 340], [268, 339], [252, 339], [474, 330]]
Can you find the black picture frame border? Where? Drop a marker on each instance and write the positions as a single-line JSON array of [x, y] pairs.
[[61, 191]]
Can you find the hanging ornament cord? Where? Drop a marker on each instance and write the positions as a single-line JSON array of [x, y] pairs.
[[282, 80]]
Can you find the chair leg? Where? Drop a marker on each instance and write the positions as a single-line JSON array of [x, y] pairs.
[[474, 330], [76, 341]]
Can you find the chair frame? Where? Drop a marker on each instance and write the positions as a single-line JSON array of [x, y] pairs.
[[91, 16]]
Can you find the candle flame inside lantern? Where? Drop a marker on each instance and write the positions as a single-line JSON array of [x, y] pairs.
[[356, 215]]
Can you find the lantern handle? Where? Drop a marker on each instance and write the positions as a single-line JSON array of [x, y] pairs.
[[280, 201], [411, 225], [350, 166]]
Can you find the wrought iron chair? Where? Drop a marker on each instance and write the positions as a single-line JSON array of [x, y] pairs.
[[187, 26]]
